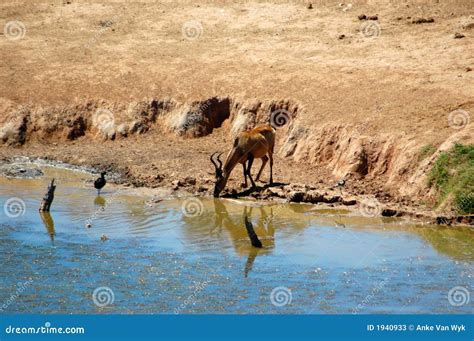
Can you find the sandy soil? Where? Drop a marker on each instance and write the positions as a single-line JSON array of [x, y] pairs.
[[394, 77]]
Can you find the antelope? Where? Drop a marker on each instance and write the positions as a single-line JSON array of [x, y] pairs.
[[256, 143]]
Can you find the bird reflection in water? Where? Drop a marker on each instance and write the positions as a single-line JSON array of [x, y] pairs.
[[48, 223], [99, 201], [237, 230]]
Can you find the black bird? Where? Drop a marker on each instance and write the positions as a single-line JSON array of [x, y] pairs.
[[100, 182]]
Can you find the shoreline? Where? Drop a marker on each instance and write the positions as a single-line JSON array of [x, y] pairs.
[[326, 198]]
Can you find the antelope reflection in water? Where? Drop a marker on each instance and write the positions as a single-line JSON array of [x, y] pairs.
[[238, 233]]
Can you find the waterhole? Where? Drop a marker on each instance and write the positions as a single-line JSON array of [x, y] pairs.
[[193, 255]]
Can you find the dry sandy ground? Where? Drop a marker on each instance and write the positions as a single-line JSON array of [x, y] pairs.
[[394, 77]]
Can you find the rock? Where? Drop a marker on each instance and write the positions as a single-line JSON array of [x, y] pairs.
[[277, 192], [342, 36], [109, 132], [137, 127], [347, 8], [468, 69], [388, 212], [362, 17], [330, 199], [189, 181], [21, 171], [309, 5], [422, 21], [13, 132], [122, 130], [467, 220], [458, 35], [313, 197], [469, 26], [104, 238], [296, 196], [349, 201], [200, 118], [373, 17], [443, 220], [175, 184], [155, 200]]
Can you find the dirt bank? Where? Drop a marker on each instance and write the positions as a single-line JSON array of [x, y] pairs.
[[151, 90]]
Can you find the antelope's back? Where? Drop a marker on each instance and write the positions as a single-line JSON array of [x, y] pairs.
[[267, 131]]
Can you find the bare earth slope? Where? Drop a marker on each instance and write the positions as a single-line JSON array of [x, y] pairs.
[[119, 84]]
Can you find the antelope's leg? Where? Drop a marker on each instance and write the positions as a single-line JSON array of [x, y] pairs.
[[264, 162], [249, 167], [245, 174], [271, 167]]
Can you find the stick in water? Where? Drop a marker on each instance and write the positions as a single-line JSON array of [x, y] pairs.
[[48, 198], [252, 235]]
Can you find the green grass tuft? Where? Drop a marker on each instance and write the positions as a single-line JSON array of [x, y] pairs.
[[425, 151], [453, 174]]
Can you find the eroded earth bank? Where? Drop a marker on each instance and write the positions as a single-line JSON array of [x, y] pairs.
[[149, 91]]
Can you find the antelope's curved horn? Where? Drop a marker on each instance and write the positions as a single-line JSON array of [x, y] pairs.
[[219, 160], [213, 161]]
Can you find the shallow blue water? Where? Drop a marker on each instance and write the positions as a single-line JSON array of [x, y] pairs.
[[162, 259]]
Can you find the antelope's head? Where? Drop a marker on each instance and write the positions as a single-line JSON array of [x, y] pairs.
[[220, 179]]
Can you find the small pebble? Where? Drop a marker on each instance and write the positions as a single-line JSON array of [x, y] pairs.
[[104, 238]]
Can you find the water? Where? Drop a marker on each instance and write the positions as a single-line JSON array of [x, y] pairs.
[[157, 259]]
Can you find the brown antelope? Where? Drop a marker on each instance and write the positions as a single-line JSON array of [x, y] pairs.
[[251, 144]]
